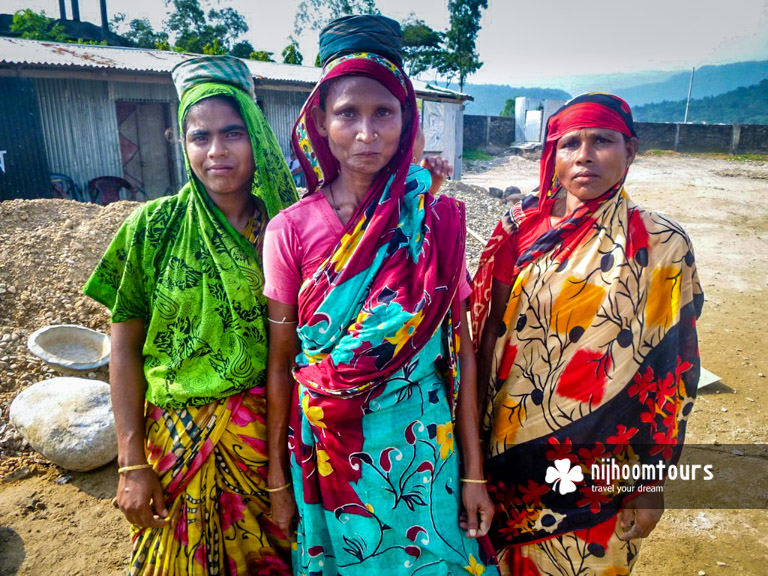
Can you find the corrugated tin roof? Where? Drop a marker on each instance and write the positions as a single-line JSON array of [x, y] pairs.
[[40, 53]]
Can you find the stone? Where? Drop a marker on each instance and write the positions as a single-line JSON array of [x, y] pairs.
[[510, 190], [496, 192], [513, 198], [69, 421]]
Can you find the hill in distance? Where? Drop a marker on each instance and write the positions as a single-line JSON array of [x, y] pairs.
[[637, 88], [741, 106], [707, 81]]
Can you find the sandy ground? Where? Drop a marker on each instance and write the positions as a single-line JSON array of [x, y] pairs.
[[54, 521]]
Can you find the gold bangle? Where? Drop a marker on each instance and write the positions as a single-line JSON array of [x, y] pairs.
[[472, 481], [125, 469], [270, 490]]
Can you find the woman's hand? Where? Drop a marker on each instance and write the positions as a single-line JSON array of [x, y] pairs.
[[478, 510], [439, 168], [140, 498], [283, 510], [640, 515]]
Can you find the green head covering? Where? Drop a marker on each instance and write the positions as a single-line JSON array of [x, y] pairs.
[[177, 264], [218, 69]]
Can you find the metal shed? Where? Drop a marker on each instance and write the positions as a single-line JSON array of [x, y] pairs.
[[111, 111]]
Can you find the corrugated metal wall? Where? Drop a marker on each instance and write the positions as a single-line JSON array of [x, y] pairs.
[[80, 128], [281, 110], [142, 92], [23, 165]]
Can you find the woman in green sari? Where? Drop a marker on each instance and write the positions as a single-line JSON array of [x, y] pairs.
[[182, 279]]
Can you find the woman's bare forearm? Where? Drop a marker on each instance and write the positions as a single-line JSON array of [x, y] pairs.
[[128, 390], [467, 417], [283, 347], [499, 297]]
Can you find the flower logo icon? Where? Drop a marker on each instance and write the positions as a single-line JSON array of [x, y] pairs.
[[563, 474]]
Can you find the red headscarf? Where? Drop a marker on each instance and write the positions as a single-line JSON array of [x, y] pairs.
[[520, 223]]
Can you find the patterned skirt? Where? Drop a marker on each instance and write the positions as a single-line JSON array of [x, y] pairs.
[[596, 551], [402, 512], [211, 461]]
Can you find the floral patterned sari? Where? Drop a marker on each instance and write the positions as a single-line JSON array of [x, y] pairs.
[[596, 361], [212, 463], [374, 466]]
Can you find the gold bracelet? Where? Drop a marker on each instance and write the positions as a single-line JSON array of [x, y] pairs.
[[270, 490], [472, 481], [125, 469]]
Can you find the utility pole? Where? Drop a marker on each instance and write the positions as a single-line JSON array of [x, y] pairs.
[[690, 90], [687, 105]]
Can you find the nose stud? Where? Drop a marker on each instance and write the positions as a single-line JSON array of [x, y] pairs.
[[375, 135]]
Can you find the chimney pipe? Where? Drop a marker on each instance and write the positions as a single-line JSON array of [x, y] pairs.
[[104, 21], [63, 9], [76, 10]]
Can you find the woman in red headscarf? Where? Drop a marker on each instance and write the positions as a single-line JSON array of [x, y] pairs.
[[588, 357]]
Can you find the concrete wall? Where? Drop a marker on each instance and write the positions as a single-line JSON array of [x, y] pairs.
[[481, 131], [724, 138], [753, 138]]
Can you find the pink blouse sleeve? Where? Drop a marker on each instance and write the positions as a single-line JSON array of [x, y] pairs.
[[282, 254], [465, 290]]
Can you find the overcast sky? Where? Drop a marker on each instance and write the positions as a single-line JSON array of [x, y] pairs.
[[527, 42]]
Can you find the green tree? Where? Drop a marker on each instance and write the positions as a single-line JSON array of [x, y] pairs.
[[315, 14], [460, 58], [261, 56], [291, 54], [33, 26], [197, 32], [422, 46], [509, 108], [242, 49], [139, 32]]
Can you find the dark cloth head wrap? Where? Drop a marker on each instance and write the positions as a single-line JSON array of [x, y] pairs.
[[365, 33], [218, 69]]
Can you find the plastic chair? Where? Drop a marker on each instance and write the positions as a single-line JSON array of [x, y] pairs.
[[62, 186], [107, 189]]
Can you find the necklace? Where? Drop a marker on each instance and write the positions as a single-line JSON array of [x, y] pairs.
[[333, 199]]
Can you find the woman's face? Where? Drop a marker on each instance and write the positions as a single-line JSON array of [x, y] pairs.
[[219, 148], [592, 160], [362, 121]]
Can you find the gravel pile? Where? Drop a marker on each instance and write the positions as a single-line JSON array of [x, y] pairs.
[[483, 213], [48, 248]]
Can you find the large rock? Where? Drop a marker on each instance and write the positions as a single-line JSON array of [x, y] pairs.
[[496, 192], [512, 190], [69, 421]]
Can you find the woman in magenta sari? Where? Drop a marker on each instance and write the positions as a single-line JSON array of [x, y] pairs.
[[370, 266]]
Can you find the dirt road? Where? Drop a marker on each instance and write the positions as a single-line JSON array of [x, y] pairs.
[[54, 521]]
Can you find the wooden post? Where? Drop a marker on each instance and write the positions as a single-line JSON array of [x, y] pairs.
[[62, 9], [76, 10]]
